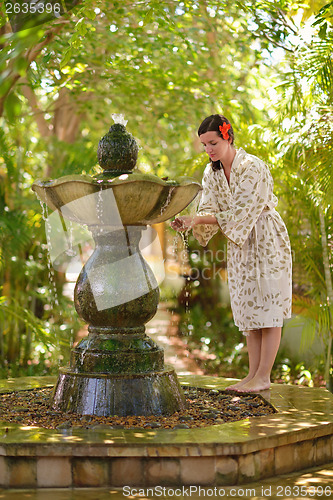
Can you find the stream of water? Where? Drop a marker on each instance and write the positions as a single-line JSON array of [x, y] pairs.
[[53, 293]]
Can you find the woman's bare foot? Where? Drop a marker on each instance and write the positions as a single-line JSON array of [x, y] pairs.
[[256, 384], [239, 384]]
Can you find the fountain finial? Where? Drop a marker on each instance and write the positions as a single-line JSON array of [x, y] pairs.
[[117, 151]]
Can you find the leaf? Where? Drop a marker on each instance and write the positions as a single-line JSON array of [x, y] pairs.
[[11, 308], [47, 58], [66, 57], [81, 26], [12, 107], [308, 333], [20, 65], [148, 16], [323, 30], [90, 13]]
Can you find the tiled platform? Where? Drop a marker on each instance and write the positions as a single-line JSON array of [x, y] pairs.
[[316, 482], [299, 436]]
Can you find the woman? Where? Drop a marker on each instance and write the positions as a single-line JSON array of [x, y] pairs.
[[238, 199]]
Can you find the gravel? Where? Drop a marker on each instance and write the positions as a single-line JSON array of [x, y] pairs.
[[204, 408]]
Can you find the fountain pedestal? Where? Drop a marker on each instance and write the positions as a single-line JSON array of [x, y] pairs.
[[117, 369]]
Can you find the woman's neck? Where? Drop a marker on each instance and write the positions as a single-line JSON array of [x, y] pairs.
[[228, 158]]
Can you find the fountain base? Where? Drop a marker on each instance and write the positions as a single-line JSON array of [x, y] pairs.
[[299, 436], [156, 393], [112, 351]]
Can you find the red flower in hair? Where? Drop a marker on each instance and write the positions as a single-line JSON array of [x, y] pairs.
[[224, 130]]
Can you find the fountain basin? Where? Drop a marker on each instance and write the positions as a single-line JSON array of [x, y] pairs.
[[131, 199]]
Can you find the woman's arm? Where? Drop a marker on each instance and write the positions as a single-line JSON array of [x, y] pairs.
[[185, 223]]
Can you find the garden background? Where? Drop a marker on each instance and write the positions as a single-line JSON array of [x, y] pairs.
[[165, 65]]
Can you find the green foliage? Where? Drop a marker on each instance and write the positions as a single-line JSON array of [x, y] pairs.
[[35, 331], [165, 65], [290, 373]]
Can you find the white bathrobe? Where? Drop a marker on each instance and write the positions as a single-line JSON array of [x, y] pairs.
[[259, 256]]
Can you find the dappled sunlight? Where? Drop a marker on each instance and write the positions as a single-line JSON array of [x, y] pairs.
[[73, 439], [326, 473]]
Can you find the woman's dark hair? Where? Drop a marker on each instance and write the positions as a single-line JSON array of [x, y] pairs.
[[212, 124]]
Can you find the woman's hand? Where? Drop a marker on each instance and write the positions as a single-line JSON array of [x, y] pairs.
[[186, 223], [183, 223]]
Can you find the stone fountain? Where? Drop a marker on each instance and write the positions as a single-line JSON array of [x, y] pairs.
[[117, 369]]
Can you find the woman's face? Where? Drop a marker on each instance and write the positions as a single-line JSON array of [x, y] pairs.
[[215, 146]]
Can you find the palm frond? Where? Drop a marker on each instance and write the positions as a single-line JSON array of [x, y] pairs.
[[9, 307]]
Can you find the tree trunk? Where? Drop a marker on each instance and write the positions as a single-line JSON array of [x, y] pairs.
[[66, 122], [329, 291], [30, 55]]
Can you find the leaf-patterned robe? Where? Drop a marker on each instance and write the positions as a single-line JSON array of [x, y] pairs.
[[259, 262]]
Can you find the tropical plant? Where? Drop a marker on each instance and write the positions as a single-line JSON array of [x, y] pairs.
[[304, 143], [32, 331]]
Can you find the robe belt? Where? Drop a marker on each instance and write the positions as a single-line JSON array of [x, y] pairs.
[[267, 210]]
